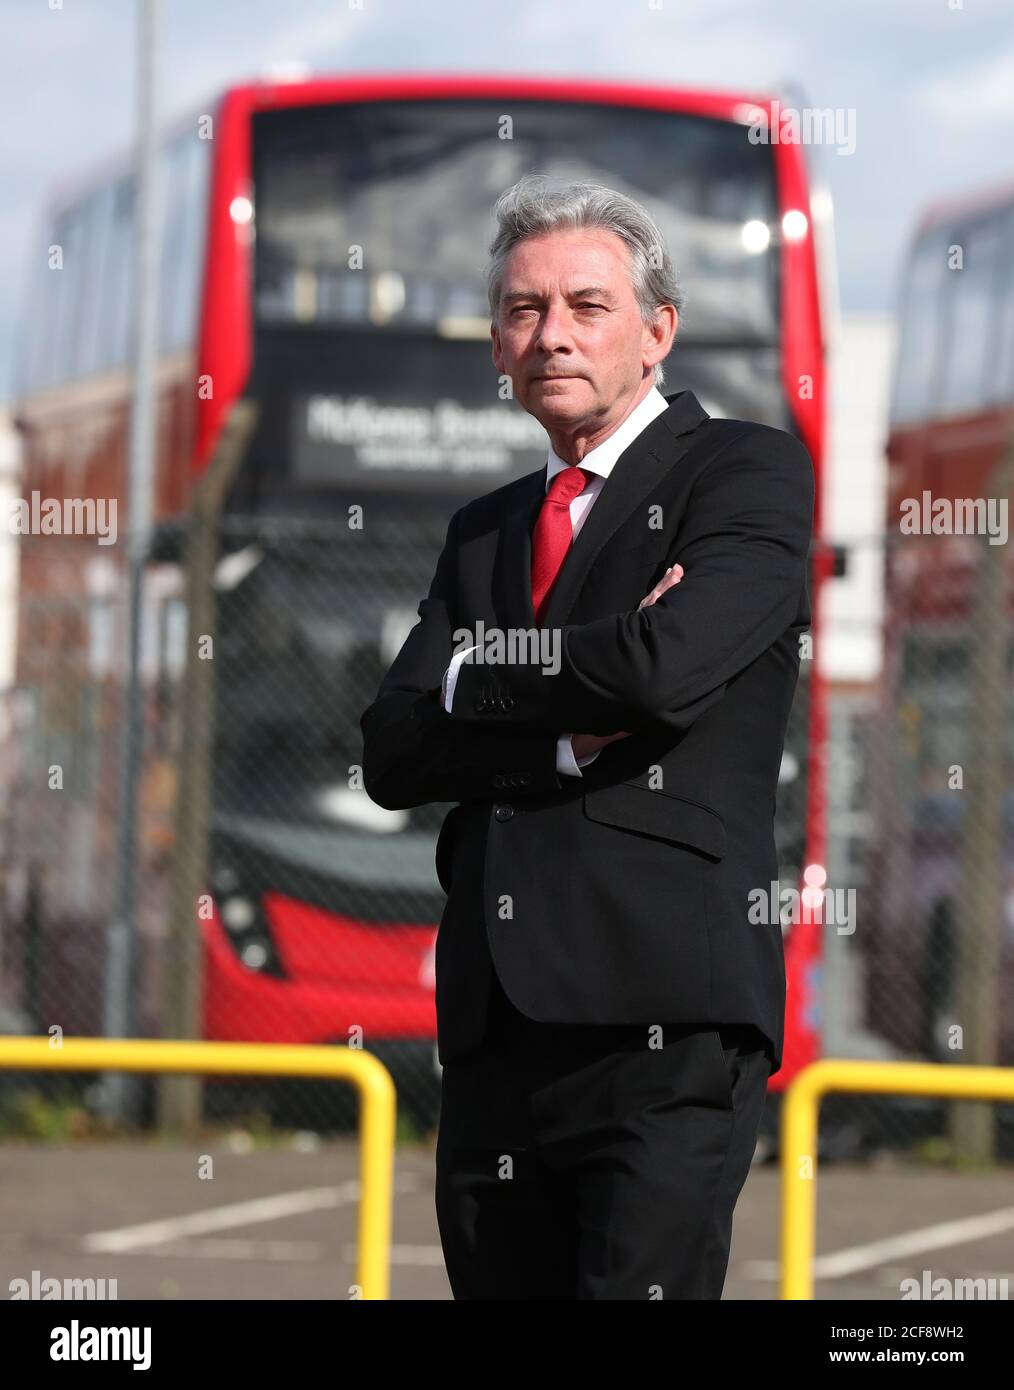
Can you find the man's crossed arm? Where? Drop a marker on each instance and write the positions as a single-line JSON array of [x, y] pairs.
[[573, 751], [743, 547], [413, 752]]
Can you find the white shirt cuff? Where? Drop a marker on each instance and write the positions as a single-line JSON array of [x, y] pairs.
[[451, 676], [566, 764]]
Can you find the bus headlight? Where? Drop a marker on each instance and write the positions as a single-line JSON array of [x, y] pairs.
[[255, 955], [245, 924], [238, 913]]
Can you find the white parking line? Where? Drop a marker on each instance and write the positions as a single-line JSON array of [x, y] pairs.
[[430, 1255], [938, 1237], [857, 1258], [199, 1223]]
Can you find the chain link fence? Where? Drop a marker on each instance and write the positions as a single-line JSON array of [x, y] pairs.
[[309, 914], [921, 835], [316, 911]]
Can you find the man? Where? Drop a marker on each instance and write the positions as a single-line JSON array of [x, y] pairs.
[[608, 1014]]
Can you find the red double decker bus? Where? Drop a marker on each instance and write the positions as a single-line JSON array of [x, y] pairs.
[[322, 255], [950, 434]]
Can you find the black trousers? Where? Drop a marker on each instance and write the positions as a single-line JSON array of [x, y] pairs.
[[580, 1161]]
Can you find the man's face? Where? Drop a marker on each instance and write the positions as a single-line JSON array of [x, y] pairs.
[[570, 333]]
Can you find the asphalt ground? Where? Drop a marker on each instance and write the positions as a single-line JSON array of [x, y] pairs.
[[280, 1223]]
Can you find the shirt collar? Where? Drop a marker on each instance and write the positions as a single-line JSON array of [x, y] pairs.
[[601, 459]]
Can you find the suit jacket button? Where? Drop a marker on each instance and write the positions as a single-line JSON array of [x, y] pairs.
[[504, 812], [526, 777], [498, 780]]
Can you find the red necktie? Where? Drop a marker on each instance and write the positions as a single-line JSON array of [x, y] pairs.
[[554, 532]]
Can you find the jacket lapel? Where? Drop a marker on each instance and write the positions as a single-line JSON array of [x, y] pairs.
[[635, 475], [512, 579]]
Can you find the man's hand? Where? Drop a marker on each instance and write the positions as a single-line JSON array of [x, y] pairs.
[[583, 744], [672, 576]]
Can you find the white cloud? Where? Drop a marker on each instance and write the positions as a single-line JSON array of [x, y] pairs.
[[931, 85], [970, 92]]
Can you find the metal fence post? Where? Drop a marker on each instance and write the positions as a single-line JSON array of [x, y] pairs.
[[980, 900], [179, 1097]]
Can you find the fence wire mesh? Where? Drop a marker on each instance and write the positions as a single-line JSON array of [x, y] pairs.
[[315, 911], [921, 833]]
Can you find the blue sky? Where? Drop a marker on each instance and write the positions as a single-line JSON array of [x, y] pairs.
[[930, 82]]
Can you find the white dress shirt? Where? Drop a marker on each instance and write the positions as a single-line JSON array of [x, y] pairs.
[[599, 461]]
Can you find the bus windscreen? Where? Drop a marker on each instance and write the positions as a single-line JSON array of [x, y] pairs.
[[379, 214]]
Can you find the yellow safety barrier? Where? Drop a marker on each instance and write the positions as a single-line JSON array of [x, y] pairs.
[[799, 1136], [370, 1077]]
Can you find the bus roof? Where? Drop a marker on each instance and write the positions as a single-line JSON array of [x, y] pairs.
[[273, 91], [982, 199], [106, 168]]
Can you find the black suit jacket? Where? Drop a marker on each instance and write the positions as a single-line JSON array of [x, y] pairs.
[[621, 896]]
